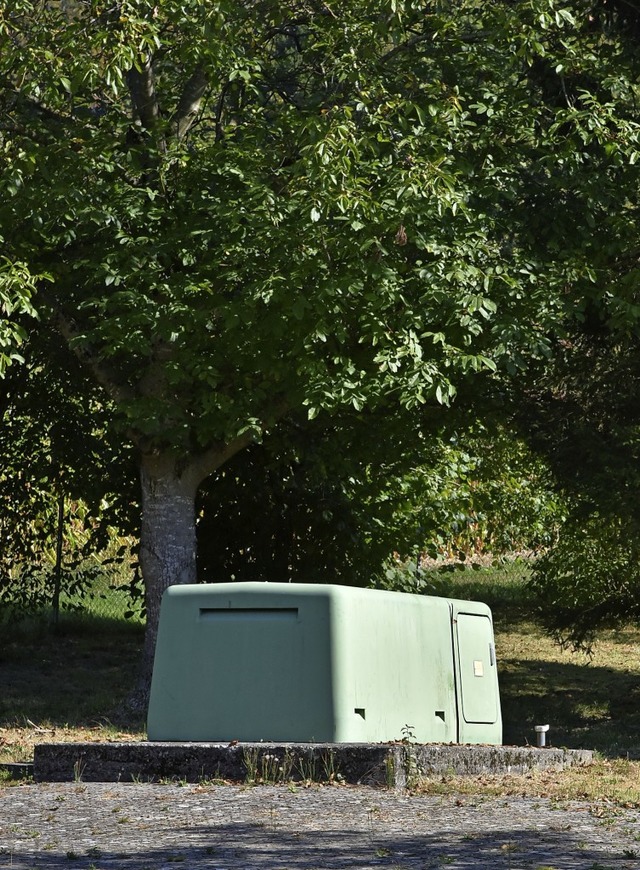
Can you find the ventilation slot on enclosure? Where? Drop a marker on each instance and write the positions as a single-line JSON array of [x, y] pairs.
[[244, 614]]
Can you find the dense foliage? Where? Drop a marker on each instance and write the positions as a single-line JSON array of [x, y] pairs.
[[583, 417], [581, 410], [206, 256], [297, 509]]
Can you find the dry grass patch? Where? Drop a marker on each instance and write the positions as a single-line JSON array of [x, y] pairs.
[[589, 702], [17, 741], [604, 781]]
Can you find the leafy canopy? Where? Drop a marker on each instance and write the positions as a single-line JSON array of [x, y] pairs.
[[246, 207]]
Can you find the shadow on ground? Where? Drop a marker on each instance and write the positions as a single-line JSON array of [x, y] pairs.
[[586, 707], [242, 846], [70, 676]]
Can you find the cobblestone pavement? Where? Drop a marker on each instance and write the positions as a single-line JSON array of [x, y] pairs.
[[98, 826]]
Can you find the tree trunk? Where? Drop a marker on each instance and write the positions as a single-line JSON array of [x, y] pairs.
[[167, 548], [168, 538]]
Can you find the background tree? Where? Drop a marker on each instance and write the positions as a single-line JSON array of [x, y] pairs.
[[295, 508], [580, 408], [65, 483], [347, 498], [583, 417]]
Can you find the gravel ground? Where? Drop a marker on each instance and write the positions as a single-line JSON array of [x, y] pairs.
[[98, 826]]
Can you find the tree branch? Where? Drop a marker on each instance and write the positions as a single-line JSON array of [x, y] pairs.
[[476, 36], [219, 109], [14, 101], [144, 98], [210, 460], [206, 463], [88, 357], [189, 103]]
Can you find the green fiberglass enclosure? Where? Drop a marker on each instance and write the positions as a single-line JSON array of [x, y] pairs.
[[289, 662]]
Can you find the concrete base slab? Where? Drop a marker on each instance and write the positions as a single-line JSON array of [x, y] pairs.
[[16, 770], [391, 764]]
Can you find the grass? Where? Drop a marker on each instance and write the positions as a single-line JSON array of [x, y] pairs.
[[590, 702], [615, 781], [64, 685], [107, 597]]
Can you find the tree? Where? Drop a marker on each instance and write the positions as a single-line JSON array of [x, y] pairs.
[[65, 481], [249, 209], [582, 416], [580, 409]]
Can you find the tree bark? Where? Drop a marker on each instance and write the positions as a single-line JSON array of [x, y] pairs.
[[167, 547]]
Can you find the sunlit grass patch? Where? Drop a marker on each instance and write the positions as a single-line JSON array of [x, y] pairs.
[[606, 780]]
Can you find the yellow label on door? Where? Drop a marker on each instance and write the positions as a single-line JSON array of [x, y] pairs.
[[478, 669]]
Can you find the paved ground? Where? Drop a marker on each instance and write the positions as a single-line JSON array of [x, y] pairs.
[[162, 827]]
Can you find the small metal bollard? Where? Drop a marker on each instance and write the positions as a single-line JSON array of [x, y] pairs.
[[541, 735]]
